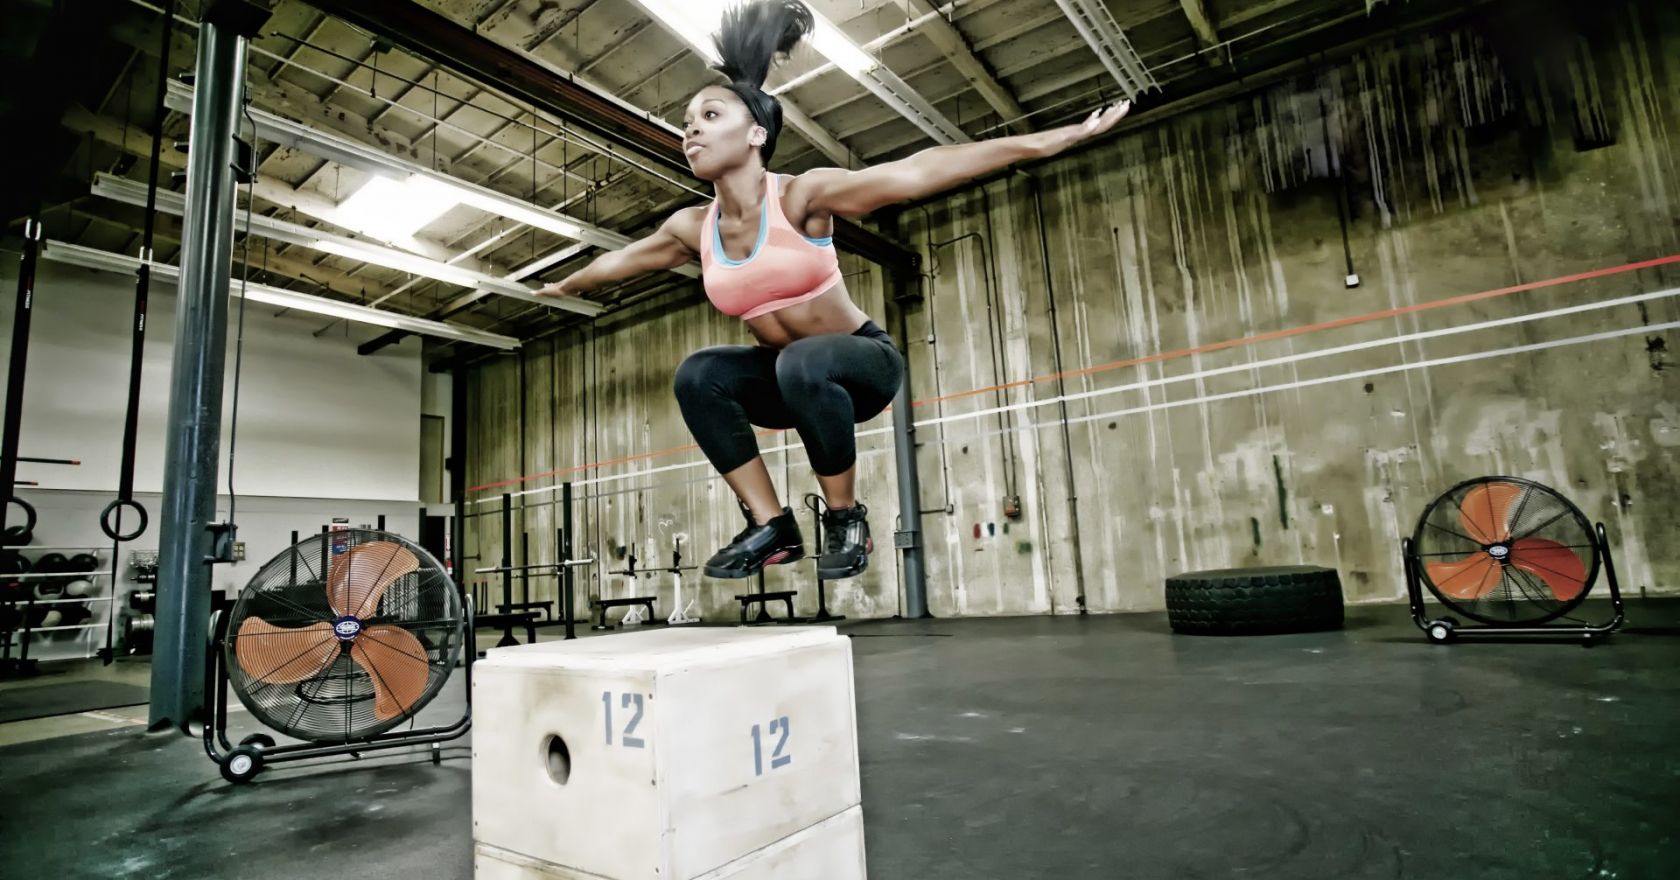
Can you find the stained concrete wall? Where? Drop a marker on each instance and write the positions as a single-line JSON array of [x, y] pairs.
[[1138, 442], [598, 409]]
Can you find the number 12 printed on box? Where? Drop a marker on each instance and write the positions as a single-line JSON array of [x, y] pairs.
[[780, 729]]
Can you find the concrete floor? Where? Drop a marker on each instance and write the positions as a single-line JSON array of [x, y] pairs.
[[1024, 748]]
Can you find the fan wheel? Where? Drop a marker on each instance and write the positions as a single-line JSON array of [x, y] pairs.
[[1504, 551], [242, 764], [260, 740]]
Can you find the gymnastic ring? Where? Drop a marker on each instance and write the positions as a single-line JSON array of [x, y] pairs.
[[111, 530], [18, 536]]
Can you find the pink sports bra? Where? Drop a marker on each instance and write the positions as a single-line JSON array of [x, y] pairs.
[[785, 268]]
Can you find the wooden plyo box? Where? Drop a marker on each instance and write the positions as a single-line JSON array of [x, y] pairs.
[[829, 850], [670, 754]]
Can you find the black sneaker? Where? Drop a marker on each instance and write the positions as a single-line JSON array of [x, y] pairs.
[[846, 543], [773, 543]]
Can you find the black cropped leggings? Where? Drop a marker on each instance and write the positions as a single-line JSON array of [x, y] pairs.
[[821, 386]]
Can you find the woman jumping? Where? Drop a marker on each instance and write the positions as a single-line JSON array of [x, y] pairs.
[[821, 366]]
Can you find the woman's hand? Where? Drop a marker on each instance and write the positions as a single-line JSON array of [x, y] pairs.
[[1100, 120], [558, 288]]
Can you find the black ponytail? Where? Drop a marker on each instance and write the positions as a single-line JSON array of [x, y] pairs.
[[750, 38]]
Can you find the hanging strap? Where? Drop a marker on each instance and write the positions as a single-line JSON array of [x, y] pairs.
[[112, 525]]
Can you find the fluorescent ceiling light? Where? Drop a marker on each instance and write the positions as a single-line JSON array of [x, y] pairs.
[[696, 20], [393, 209], [530, 216], [105, 261], [134, 193], [394, 259], [354, 154]]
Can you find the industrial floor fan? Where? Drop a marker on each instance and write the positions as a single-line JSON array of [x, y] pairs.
[[337, 641], [1512, 555]]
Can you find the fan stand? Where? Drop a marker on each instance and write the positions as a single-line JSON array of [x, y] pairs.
[[242, 762], [1446, 629]]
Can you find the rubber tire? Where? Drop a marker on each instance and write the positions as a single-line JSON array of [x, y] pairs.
[[242, 764], [1255, 601], [260, 740]]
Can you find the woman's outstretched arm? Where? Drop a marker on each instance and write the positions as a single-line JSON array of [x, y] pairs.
[[852, 193], [666, 248]]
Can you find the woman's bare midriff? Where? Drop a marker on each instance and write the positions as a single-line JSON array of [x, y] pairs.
[[833, 312]]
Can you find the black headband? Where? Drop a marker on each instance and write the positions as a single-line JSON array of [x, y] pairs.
[[745, 91]]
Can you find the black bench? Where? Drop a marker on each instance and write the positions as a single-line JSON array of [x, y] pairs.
[[601, 606], [547, 609], [507, 621], [764, 599]]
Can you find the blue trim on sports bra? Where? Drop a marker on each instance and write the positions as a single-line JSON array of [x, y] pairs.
[[763, 233]]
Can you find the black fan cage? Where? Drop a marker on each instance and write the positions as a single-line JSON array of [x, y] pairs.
[[1505, 551], [337, 704]]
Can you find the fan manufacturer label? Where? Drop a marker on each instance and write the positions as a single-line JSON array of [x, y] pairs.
[[348, 627], [1499, 551]]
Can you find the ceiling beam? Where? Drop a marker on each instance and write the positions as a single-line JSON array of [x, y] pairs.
[[356, 154], [813, 132], [298, 102], [137, 143], [276, 265], [1207, 35], [429, 34], [819, 137], [324, 209], [1034, 90], [944, 35], [120, 189], [93, 258]]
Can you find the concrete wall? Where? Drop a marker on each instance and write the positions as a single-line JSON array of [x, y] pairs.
[[323, 432], [604, 396], [1468, 167]]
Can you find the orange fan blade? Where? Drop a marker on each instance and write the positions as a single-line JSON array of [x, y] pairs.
[[396, 661], [1485, 511], [359, 576], [1469, 578], [1553, 563], [277, 655]]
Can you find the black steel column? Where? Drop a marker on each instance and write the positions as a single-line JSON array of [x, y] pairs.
[[909, 536], [195, 399], [565, 551], [507, 573], [19, 359], [458, 475]]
